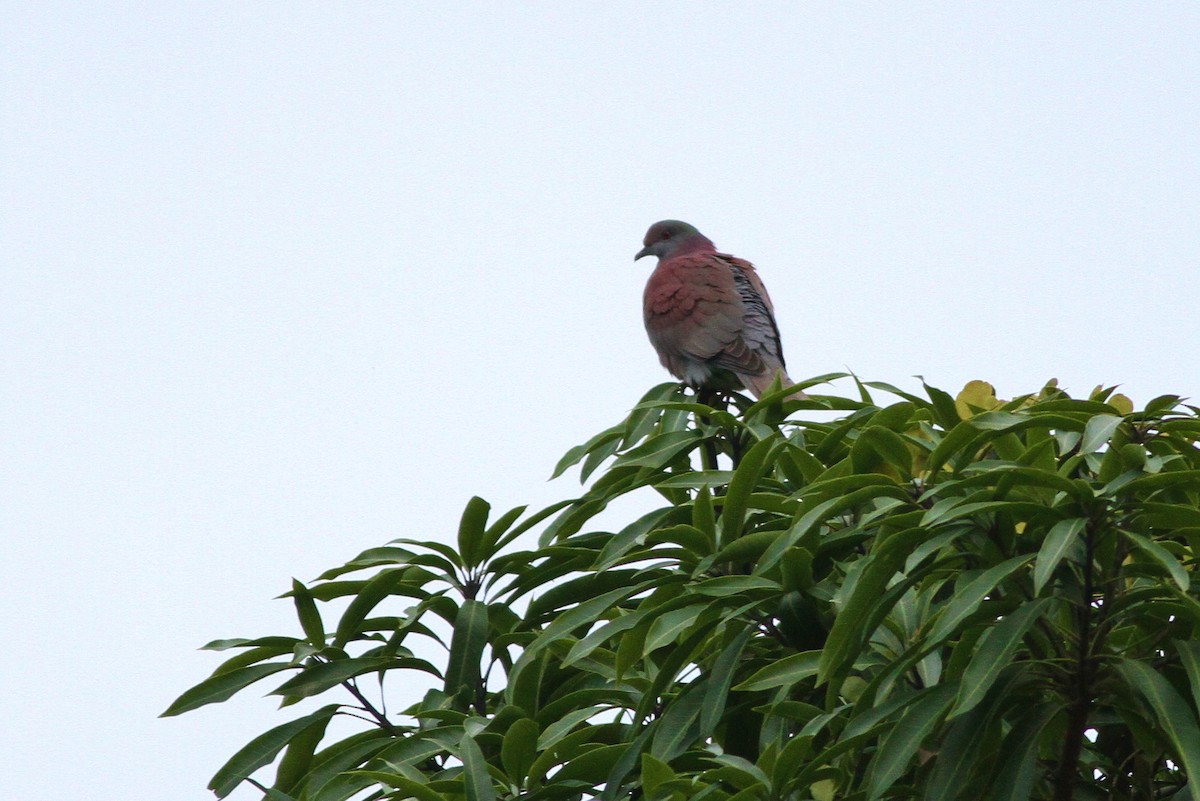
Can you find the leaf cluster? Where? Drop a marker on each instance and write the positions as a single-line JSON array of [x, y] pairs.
[[936, 598]]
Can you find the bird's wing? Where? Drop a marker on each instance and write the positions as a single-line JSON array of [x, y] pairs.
[[712, 308], [759, 330]]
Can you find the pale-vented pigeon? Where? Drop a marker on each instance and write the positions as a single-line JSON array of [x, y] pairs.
[[708, 314]]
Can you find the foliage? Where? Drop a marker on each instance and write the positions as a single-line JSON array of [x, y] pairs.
[[938, 598]]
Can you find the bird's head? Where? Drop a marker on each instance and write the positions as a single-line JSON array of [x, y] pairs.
[[666, 237]]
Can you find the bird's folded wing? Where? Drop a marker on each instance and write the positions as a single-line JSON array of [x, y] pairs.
[[711, 307]]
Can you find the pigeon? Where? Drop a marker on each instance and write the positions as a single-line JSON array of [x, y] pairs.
[[708, 314]]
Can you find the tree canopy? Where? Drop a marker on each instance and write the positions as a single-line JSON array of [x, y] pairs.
[[938, 597]]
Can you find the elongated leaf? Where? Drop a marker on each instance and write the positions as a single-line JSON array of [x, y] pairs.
[[261, 750], [476, 780], [697, 479], [887, 444], [411, 788], [1162, 556], [222, 686], [471, 528], [573, 456], [655, 772], [719, 680], [967, 599], [957, 757], [1189, 654], [848, 632], [678, 727], [993, 653], [900, 744], [556, 731], [298, 756], [1173, 714], [1058, 541], [734, 585], [749, 471], [601, 635], [518, 749], [310, 618], [1018, 770], [332, 763], [586, 612], [320, 677], [784, 672], [261, 642], [659, 450], [378, 588], [1097, 432], [466, 648]]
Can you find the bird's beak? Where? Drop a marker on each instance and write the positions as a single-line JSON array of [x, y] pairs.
[[642, 253]]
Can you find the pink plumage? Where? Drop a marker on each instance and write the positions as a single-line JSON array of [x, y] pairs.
[[708, 313]]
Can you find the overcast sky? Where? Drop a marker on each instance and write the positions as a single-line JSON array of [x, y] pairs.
[[282, 281]]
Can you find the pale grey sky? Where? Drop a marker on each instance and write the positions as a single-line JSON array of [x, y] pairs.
[[282, 281]]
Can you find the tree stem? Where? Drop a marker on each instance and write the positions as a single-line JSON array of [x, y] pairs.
[[1081, 689]]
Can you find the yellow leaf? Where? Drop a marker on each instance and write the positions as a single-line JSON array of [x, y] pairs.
[[823, 790], [1121, 403], [853, 687], [976, 396]]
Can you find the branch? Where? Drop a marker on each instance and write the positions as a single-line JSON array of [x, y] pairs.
[[370, 709]]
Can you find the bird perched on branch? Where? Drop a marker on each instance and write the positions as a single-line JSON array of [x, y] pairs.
[[708, 314]]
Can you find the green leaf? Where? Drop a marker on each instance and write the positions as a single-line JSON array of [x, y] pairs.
[[554, 733], [298, 757], [785, 672], [967, 599], [994, 651], [310, 618], [660, 450], [412, 789], [1162, 557], [1097, 432], [745, 478], [679, 726], [586, 612], [734, 585], [472, 545], [222, 686], [573, 456], [655, 772], [719, 680], [897, 748], [1018, 769], [476, 780], [1173, 714], [1189, 654], [886, 444], [849, 627], [332, 763], [957, 758], [381, 586], [1054, 547], [317, 678], [518, 749], [697, 479], [261, 750], [466, 648]]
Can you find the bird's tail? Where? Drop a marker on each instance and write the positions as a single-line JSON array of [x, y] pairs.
[[759, 384]]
